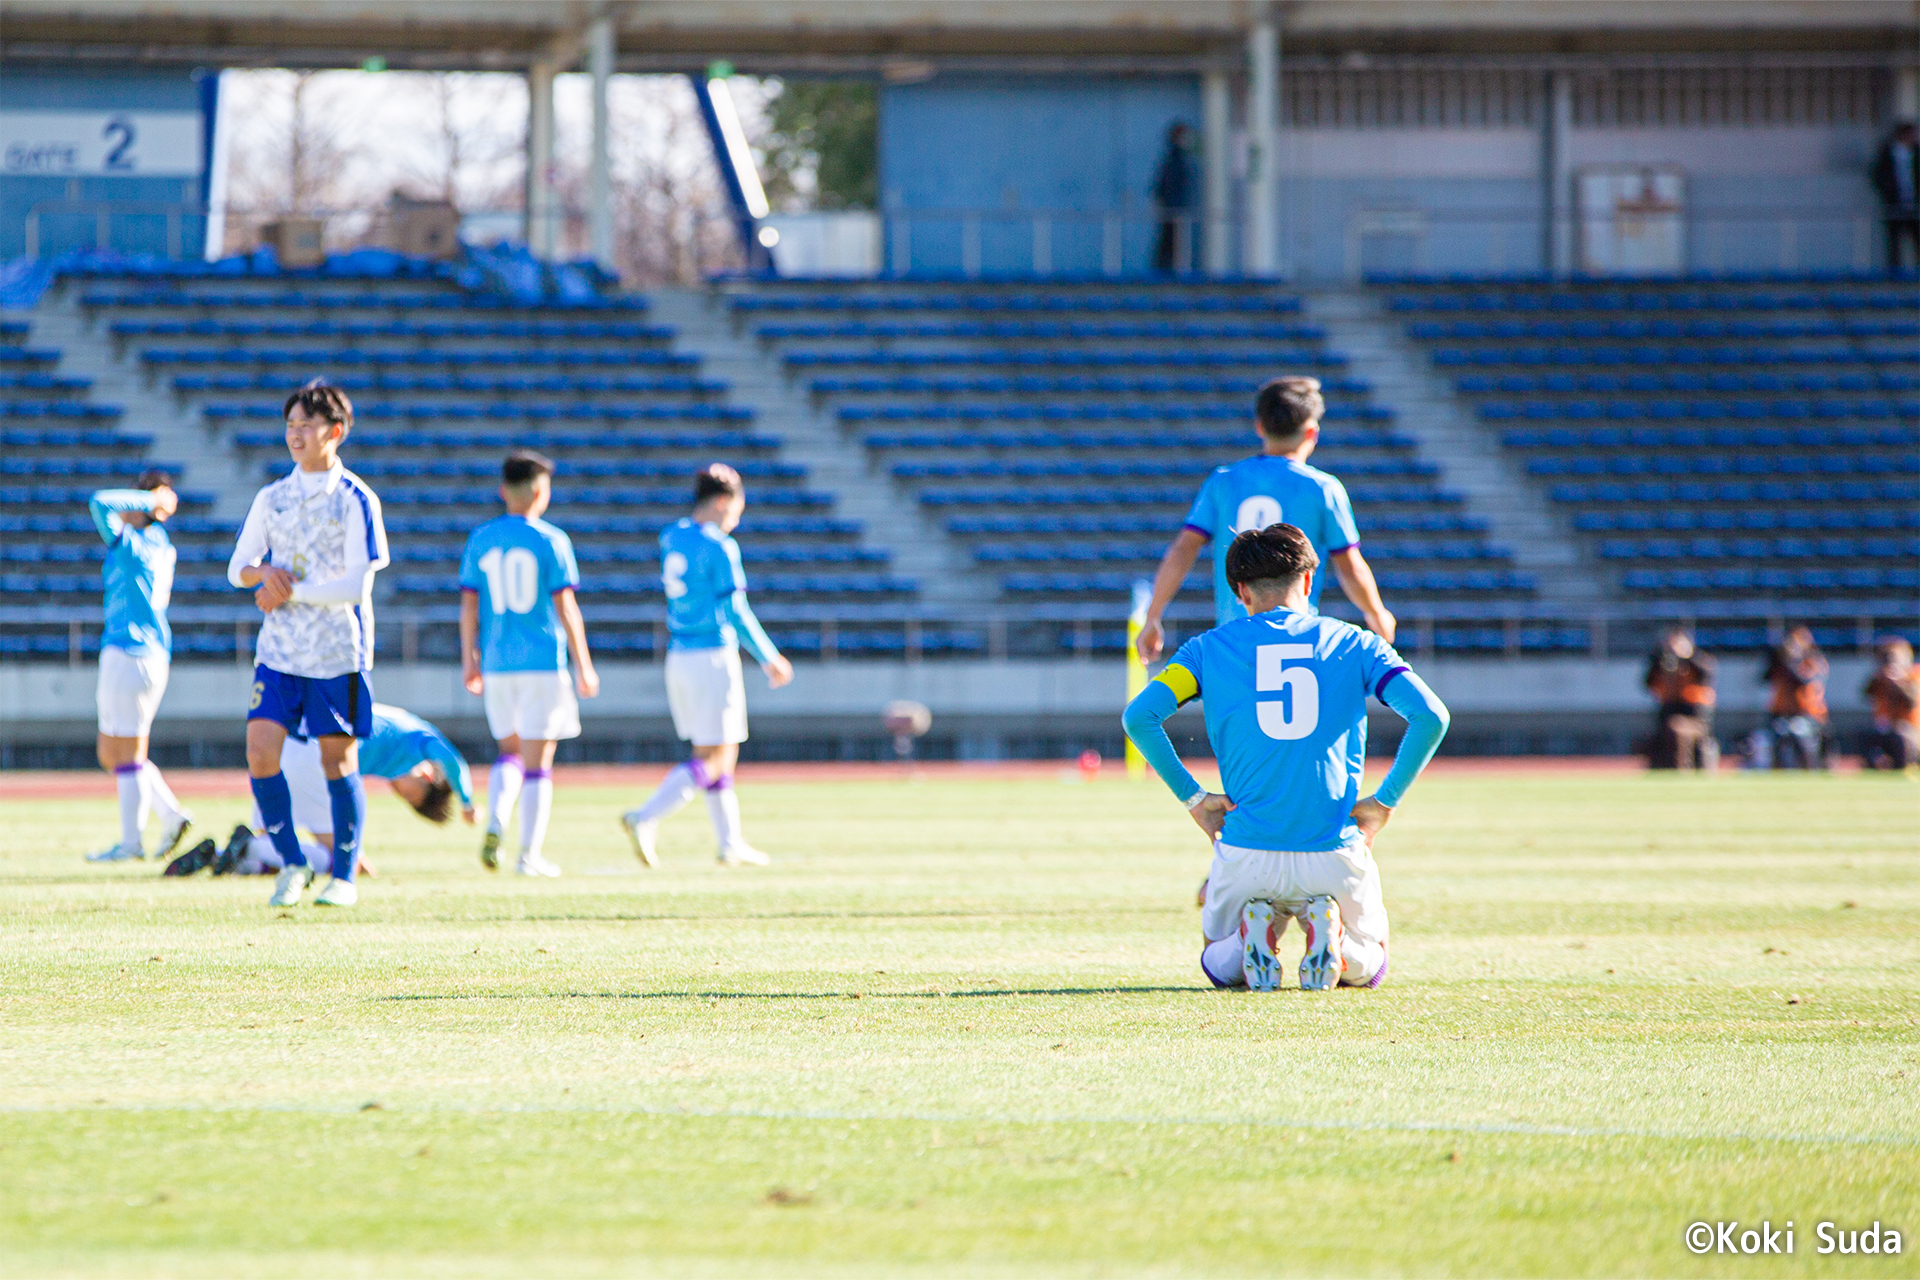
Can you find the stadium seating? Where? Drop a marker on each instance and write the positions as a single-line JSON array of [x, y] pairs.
[[1104, 407], [1772, 424]]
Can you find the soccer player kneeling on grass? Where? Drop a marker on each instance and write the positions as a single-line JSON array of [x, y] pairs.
[[708, 620], [310, 546], [1285, 693], [517, 617]]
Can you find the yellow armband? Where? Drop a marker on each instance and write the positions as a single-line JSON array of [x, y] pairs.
[[1180, 681]]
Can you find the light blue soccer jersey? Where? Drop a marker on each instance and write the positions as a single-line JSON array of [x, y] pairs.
[[515, 565], [706, 591], [401, 740], [137, 575], [1264, 490], [1285, 696]]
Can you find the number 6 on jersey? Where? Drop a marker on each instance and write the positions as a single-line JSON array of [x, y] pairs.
[[1296, 712]]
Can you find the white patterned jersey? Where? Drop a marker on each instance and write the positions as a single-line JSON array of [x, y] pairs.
[[324, 528]]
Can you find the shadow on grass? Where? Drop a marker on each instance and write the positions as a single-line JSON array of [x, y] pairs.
[[1074, 908], [802, 995]]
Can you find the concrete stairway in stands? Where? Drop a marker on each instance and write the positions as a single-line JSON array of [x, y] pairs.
[[206, 461], [1495, 486], [891, 519]]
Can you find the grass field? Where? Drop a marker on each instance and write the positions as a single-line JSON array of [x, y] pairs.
[[959, 1028]]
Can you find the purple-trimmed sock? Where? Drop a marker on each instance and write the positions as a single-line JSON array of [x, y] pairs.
[[1381, 976], [127, 780]]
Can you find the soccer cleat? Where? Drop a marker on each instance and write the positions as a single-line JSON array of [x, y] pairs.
[[289, 885], [743, 855], [338, 893], [201, 855], [1322, 965], [174, 835], [1258, 937], [536, 865], [119, 853], [490, 850], [642, 834], [237, 845]]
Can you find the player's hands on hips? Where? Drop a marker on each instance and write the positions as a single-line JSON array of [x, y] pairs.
[[1210, 814], [1383, 624], [779, 672], [589, 681], [1370, 815], [1152, 639], [275, 589], [470, 675]]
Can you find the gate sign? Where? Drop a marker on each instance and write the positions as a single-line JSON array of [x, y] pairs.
[[100, 144]]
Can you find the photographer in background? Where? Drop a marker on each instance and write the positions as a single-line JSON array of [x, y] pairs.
[[1893, 691], [1680, 678]]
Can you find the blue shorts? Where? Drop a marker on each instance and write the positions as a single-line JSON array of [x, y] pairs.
[[313, 708]]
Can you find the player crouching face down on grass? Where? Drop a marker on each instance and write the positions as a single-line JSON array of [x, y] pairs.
[[309, 548], [1285, 694], [708, 622]]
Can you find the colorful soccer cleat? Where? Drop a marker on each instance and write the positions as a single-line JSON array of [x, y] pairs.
[[289, 885], [338, 893], [1257, 935], [1322, 965], [201, 855], [490, 850], [174, 834], [237, 845], [642, 834]]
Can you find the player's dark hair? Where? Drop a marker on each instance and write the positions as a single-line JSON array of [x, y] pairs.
[[714, 481], [436, 802], [151, 480], [1273, 558], [523, 466], [321, 399], [1287, 406]]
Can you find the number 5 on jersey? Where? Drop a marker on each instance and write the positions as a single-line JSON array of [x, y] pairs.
[[1296, 712], [513, 579]]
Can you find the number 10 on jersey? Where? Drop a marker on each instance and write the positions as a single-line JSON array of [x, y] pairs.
[[1296, 712], [513, 579]]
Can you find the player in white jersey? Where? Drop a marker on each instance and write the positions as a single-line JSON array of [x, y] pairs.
[[709, 621], [518, 616], [135, 652], [309, 548]]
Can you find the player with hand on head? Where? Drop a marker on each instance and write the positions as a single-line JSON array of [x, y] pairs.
[[518, 615], [135, 653], [708, 621], [1275, 484], [423, 767], [309, 548], [1285, 694]]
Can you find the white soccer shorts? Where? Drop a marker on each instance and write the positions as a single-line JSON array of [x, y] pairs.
[[307, 783], [536, 705], [1289, 881], [707, 695], [129, 693]]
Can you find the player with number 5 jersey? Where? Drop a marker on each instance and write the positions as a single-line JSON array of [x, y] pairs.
[[1285, 693], [518, 615]]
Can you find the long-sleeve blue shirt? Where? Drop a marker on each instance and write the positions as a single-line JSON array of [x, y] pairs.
[[138, 573], [707, 592], [401, 740]]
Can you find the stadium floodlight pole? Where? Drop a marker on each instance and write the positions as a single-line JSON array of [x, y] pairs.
[[1263, 119], [735, 160], [600, 176]]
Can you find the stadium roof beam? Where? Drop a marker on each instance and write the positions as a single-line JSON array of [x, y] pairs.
[[868, 37]]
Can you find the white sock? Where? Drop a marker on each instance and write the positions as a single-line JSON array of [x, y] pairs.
[[1363, 960], [535, 812], [1225, 961], [161, 794], [673, 793], [128, 780], [503, 788], [723, 807], [261, 858]]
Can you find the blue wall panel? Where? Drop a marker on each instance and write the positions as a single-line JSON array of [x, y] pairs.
[[135, 204], [1072, 151]]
